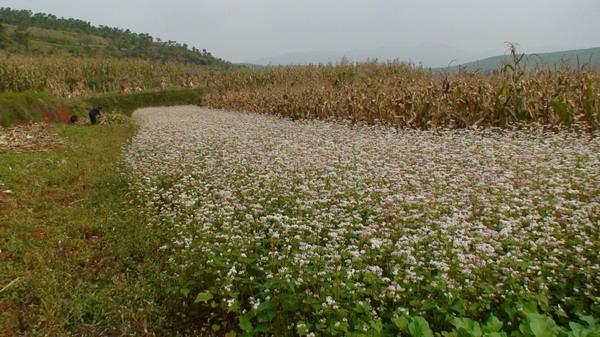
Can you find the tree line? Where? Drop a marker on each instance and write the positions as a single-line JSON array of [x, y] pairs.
[[123, 42]]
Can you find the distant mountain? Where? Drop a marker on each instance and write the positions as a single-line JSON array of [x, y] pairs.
[[428, 55], [23, 32], [581, 57]]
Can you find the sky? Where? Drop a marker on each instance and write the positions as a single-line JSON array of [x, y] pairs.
[[244, 30]]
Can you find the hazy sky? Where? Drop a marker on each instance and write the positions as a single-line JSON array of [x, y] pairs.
[[241, 30]]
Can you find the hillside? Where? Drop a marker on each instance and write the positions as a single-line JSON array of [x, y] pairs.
[[23, 32], [574, 58]]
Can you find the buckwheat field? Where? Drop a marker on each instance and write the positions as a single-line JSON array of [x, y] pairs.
[[313, 228]]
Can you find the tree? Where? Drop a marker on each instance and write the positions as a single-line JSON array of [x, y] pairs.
[[22, 36], [3, 38], [121, 42]]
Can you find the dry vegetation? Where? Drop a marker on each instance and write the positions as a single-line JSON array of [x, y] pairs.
[[28, 138], [396, 94], [404, 96], [76, 77]]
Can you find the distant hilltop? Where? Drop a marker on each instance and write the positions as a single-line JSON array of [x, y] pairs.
[[574, 58], [23, 32], [437, 57]]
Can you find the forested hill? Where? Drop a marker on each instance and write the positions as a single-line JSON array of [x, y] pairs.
[[580, 58], [23, 32]]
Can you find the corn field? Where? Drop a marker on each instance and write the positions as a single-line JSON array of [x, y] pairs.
[[396, 94], [405, 96], [74, 77]]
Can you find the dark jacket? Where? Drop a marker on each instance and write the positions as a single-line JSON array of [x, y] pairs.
[[93, 114]]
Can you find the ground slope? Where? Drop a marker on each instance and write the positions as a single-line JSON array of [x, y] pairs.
[[23, 32]]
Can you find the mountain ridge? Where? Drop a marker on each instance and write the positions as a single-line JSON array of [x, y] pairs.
[[588, 57]]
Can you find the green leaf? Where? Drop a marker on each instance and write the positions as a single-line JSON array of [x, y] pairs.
[[562, 109], [267, 315], [542, 326], [184, 291], [493, 324], [418, 327], [588, 319], [203, 297], [400, 322], [376, 325], [495, 334], [459, 307], [467, 327], [245, 323], [577, 330], [525, 330], [529, 308], [302, 328], [523, 112], [510, 311], [290, 303]]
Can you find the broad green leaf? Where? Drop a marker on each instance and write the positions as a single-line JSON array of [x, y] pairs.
[[459, 307], [510, 311], [529, 308], [376, 325], [245, 323], [467, 327], [290, 303], [302, 328], [495, 334], [418, 327], [267, 315], [577, 330], [588, 319], [400, 322], [525, 330], [449, 334], [542, 326], [203, 297], [493, 324], [184, 291]]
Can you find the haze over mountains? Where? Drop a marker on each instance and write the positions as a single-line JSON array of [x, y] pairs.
[[426, 54], [433, 56]]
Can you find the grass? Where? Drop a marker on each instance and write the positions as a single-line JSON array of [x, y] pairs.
[[23, 107], [28, 106], [128, 103], [71, 248]]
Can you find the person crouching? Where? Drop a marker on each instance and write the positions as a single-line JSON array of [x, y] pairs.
[[94, 113]]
